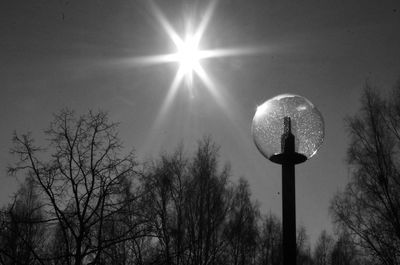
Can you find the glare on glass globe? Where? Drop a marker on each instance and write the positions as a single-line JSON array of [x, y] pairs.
[[306, 124]]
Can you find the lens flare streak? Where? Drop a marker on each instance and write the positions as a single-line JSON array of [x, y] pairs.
[[188, 55]]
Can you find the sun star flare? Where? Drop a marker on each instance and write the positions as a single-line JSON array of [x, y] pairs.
[[188, 55]]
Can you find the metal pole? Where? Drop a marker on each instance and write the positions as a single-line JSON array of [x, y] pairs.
[[288, 195], [289, 214], [288, 158]]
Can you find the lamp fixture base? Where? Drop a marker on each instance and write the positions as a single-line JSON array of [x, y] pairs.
[[288, 158]]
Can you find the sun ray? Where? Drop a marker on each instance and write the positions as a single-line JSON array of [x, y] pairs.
[[152, 60], [205, 21], [188, 56], [170, 96], [188, 53], [165, 24], [209, 84], [229, 52]]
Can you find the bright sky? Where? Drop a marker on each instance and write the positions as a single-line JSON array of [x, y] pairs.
[[94, 55]]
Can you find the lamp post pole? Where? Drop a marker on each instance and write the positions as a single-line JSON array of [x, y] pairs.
[[288, 214], [288, 149], [288, 158]]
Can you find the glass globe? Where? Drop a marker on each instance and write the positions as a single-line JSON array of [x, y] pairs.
[[305, 121]]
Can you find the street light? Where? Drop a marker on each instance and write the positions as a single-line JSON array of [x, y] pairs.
[[288, 130]]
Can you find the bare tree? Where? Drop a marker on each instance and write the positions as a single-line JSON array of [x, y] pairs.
[[207, 202], [345, 251], [369, 207], [80, 175], [241, 230], [22, 233], [187, 202], [303, 248], [164, 182], [323, 249], [270, 241]]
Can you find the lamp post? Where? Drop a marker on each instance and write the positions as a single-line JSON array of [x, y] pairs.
[[288, 130]]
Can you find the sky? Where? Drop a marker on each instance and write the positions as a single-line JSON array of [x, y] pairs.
[[91, 55]]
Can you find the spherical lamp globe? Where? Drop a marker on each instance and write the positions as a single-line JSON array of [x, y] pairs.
[[288, 114]]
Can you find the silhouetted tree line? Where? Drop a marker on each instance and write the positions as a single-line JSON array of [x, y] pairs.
[[369, 207], [86, 201]]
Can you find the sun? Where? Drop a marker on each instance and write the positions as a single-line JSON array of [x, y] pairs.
[[188, 56]]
